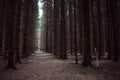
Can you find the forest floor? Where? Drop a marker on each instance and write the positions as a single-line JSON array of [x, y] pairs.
[[47, 67]]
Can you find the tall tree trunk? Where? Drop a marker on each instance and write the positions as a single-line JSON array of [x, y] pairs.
[[18, 31], [26, 27], [4, 28], [71, 28], [75, 34], [99, 28], [46, 29], [11, 27], [63, 31], [55, 26], [115, 30], [110, 42], [86, 19], [80, 27]]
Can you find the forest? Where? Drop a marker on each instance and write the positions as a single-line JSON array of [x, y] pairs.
[[59, 39]]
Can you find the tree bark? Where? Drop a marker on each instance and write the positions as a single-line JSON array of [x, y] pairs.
[[11, 27], [86, 18], [63, 31]]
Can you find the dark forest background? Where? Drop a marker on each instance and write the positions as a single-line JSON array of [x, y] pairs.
[[87, 28]]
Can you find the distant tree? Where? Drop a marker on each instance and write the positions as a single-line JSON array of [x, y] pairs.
[[71, 27], [55, 27], [75, 33], [80, 24]]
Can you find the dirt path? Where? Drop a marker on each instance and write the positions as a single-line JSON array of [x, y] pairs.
[[46, 67]]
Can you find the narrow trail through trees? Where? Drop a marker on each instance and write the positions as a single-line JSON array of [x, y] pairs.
[[47, 67]]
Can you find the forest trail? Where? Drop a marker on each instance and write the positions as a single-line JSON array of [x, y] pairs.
[[47, 67]]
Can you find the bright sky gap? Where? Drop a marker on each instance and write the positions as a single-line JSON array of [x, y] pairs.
[[40, 15]]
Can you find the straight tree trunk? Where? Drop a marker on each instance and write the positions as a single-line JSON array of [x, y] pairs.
[[11, 26], [4, 28], [80, 27], [55, 26], [110, 42], [87, 60], [46, 29], [75, 34], [115, 30], [99, 28], [71, 29], [63, 31], [18, 31]]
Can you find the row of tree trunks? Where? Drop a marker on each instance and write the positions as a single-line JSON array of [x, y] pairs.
[[94, 28], [55, 40], [92, 34], [16, 29], [113, 45]]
